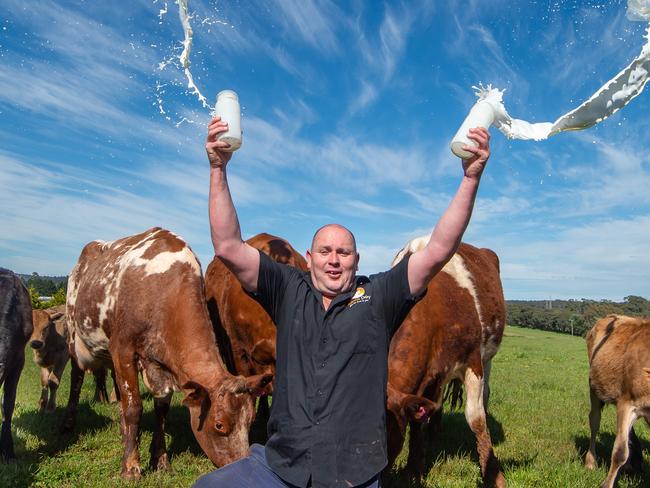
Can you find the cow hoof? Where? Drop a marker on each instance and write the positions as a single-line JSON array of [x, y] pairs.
[[590, 462], [500, 482], [161, 463], [131, 474]]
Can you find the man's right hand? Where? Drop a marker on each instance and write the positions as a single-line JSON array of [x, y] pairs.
[[216, 155]]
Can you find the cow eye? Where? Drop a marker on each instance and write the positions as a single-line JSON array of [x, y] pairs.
[[219, 426]]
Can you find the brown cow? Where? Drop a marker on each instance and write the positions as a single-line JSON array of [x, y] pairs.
[[138, 304], [451, 334], [245, 331], [619, 373], [49, 343]]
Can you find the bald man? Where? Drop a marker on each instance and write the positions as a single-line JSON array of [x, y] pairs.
[[327, 426]]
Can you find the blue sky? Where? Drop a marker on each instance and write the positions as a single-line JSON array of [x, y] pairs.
[[348, 110]]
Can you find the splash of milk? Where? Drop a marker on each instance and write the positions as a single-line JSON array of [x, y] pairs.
[[184, 58], [611, 97]]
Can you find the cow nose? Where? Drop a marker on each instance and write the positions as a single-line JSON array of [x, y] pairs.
[[36, 344]]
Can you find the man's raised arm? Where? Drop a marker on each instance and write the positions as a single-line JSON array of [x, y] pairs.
[[240, 258], [447, 234]]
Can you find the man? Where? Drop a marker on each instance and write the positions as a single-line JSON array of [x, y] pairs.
[[327, 423]]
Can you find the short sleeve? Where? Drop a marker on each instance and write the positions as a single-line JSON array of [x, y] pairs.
[[271, 285], [396, 297]]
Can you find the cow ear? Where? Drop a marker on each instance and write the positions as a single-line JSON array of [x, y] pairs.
[[259, 384], [418, 408], [195, 394], [56, 316]]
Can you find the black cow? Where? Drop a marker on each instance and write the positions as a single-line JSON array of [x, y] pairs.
[[15, 330]]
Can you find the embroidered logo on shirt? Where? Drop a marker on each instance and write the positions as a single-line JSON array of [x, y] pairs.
[[359, 297]]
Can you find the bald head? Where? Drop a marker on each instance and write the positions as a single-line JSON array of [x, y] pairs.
[[336, 227]]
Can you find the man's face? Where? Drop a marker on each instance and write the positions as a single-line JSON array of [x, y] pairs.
[[333, 260]]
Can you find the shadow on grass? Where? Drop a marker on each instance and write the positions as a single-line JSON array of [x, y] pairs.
[[454, 439], [45, 427], [604, 446]]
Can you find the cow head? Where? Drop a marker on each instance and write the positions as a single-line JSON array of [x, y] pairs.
[[221, 417], [401, 409], [44, 325]]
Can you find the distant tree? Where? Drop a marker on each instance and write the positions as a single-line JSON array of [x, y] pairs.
[[34, 295], [635, 305], [58, 298]]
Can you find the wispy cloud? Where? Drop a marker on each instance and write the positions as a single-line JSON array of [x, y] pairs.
[[313, 22]]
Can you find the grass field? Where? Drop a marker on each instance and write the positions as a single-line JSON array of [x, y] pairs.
[[538, 420]]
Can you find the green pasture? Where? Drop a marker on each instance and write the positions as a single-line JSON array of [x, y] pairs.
[[538, 420]]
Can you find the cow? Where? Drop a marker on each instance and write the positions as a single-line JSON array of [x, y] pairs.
[[49, 344], [619, 373], [245, 332], [15, 329], [137, 304], [450, 335]]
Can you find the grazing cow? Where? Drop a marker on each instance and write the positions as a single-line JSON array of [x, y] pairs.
[[451, 334], [49, 343], [15, 329], [138, 304], [245, 332], [619, 373]]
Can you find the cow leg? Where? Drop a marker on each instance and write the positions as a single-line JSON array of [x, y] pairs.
[[625, 418], [415, 461], [131, 406], [76, 382], [634, 462], [42, 402], [115, 394], [8, 403], [159, 459], [594, 425], [487, 369], [53, 381], [101, 395], [475, 415]]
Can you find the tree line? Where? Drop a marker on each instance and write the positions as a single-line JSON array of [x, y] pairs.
[[574, 317], [54, 287]]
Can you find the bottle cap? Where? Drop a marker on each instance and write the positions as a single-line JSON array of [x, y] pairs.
[[227, 94]]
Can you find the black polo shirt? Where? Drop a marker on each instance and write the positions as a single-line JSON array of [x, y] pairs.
[[328, 416]]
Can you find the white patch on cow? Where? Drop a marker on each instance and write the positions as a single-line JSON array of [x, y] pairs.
[[458, 271], [455, 268], [474, 389], [411, 247], [165, 260]]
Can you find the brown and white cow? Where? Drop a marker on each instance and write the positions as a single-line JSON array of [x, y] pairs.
[[138, 304], [49, 343], [619, 373], [245, 332], [451, 334], [15, 329]]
